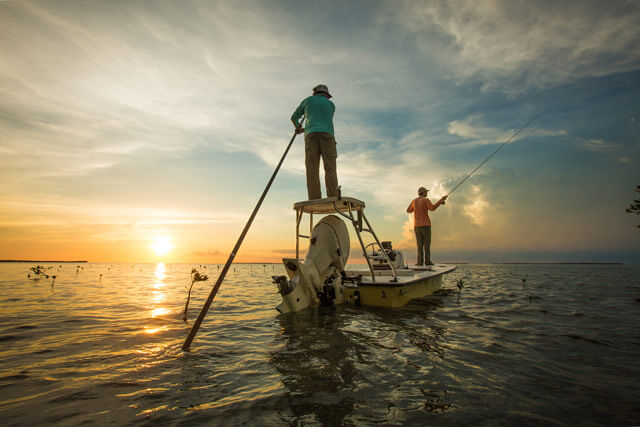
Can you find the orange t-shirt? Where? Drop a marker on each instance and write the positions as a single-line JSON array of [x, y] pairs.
[[420, 206]]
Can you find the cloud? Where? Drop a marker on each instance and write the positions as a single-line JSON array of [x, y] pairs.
[[389, 174], [479, 134], [471, 130], [477, 210], [597, 145], [512, 46], [408, 235], [90, 81], [56, 210], [116, 83], [208, 253]]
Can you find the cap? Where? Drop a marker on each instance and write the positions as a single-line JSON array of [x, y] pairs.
[[322, 89], [422, 189]]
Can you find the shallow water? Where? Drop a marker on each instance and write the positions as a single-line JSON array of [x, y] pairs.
[[102, 344]]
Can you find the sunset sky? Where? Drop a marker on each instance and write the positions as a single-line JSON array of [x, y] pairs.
[[143, 131]]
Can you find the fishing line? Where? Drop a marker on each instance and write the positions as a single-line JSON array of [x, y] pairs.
[[492, 154]]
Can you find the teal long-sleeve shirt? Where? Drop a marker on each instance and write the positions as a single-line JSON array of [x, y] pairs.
[[318, 111]]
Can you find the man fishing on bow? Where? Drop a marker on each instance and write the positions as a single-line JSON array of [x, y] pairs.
[[420, 206], [319, 141]]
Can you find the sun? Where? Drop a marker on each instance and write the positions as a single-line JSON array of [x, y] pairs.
[[161, 245]]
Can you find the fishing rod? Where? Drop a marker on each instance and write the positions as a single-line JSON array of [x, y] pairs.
[[492, 154], [232, 255]]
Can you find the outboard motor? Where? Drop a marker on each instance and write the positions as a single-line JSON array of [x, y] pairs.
[[317, 281]]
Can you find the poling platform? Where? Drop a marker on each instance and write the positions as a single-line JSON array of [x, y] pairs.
[[329, 205]]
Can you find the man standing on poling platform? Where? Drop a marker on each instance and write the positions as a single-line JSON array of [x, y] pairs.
[[420, 206], [319, 141]]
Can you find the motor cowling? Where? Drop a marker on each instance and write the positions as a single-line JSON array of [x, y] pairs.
[[317, 280], [329, 245]]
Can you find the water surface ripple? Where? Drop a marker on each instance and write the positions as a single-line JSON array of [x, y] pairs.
[[102, 344]]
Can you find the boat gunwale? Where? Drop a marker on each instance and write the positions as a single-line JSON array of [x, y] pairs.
[[412, 280]]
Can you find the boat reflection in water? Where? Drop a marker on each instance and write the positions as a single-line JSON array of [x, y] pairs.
[[317, 363], [341, 364]]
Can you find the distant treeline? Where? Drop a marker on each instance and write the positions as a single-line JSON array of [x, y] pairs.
[[35, 260], [562, 263]]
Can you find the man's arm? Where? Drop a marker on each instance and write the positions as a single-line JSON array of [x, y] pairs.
[[295, 117], [433, 207], [410, 208]]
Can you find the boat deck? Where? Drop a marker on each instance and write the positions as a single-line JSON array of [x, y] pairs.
[[406, 276]]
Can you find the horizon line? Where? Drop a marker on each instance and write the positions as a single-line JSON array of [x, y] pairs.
[[274, 263]]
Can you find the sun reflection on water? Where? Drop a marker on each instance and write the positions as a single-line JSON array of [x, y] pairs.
[[158, 297], [160, 311], [152, 331], [160, 271]]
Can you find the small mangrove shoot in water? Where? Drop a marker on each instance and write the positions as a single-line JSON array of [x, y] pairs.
[[460, 283], [39, 272], [524, 286], [195, 277], [635, 206]]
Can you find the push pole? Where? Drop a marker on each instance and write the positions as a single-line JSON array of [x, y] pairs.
[[232, 255]]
